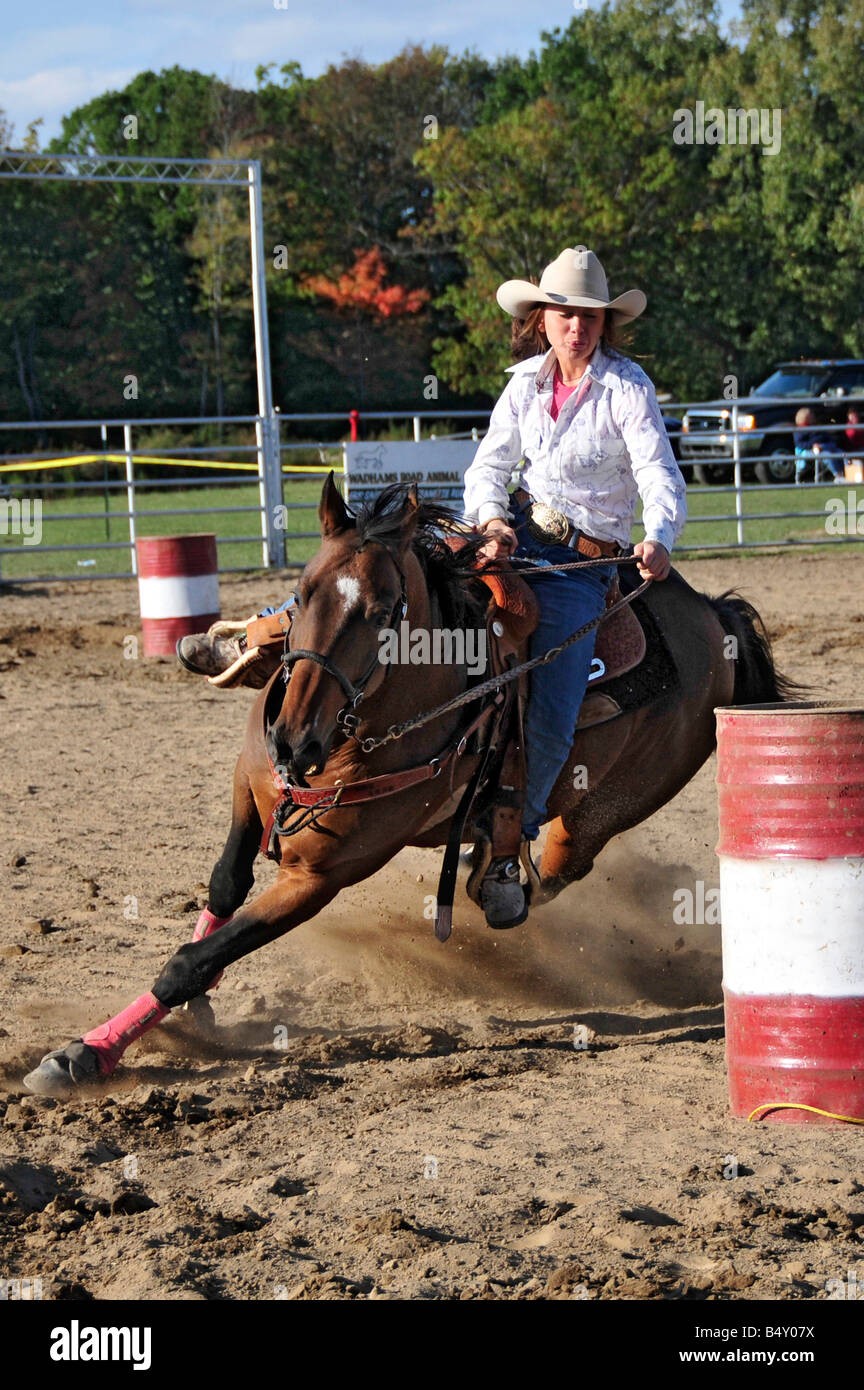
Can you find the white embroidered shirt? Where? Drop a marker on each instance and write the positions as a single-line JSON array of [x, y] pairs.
[[607, 448]]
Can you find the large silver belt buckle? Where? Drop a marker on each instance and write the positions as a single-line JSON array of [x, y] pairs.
[[547, 525]]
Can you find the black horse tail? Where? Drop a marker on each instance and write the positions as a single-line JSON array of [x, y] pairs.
[[757, 680]]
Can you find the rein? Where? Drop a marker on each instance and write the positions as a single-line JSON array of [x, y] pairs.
[[316, 801], [493, 685]]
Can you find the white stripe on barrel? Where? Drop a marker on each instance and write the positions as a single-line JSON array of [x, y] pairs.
[[178, 588], [791, 800]]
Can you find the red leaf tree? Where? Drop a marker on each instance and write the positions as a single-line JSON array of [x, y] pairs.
[[362, 289]]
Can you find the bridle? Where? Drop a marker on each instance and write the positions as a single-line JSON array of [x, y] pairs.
[[353, 691]]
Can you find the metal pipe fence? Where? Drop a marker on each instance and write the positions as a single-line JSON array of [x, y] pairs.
[[252, 464]]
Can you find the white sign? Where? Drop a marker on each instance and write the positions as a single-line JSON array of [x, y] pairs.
[[437, 466]]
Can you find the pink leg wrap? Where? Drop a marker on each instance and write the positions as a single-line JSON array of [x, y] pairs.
[[111, 1040], [205, 926]]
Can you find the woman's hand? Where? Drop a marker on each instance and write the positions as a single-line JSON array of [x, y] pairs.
[[502, 540], [654, 562]]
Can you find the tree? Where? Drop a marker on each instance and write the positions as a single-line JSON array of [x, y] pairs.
[[364, 304], [589, 161]]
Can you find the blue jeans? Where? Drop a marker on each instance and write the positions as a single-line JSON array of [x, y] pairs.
[[567, 600], [268, 612], [835, 462]]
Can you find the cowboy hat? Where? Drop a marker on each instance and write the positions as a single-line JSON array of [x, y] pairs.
[[575, 280]]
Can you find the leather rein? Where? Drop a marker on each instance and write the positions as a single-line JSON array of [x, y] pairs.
[[314, 802]]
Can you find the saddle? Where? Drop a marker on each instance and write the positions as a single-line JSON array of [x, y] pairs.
[[512, 614]]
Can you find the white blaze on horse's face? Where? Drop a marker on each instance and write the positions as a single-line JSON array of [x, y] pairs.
[[349, 588]]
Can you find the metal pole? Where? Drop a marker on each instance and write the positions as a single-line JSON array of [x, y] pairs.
[[278, 531], [269, 469], [417, 435], [263, 491], [736, 454], [107, 498], [130, 493]]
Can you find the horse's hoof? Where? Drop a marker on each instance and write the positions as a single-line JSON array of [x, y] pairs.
[[60, 1072], [200, 1011]]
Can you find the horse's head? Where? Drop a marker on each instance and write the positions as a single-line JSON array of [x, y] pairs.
[[354, 588]]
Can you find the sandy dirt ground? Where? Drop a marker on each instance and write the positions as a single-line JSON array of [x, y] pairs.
[[380, 1116]]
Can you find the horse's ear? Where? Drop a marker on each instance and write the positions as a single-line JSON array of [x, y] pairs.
[[332, 512], [410, 514]]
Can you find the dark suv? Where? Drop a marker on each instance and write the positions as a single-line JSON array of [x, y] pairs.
[[704, 441]]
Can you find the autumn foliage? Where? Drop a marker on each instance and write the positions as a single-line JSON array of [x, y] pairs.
[[362, 288]]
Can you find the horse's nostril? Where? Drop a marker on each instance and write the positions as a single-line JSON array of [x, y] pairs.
[[306, 756]]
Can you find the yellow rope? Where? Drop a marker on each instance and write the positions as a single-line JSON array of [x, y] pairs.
[[74, 462], [145, 458], [791, 1105]]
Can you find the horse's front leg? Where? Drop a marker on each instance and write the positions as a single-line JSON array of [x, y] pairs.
[[230, 882], [297, 896]]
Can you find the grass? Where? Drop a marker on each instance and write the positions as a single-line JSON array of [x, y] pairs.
[[799, 528], [103, 522]]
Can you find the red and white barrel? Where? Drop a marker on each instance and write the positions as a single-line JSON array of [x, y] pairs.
[[791, 801], [178, 588]]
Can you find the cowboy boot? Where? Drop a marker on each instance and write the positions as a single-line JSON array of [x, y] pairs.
[[231, 653], [502, 895], [212, 652]]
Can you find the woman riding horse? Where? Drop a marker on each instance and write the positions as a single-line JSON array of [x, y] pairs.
[[586, 421]]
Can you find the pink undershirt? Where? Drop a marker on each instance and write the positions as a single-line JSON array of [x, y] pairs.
[[560, 392]]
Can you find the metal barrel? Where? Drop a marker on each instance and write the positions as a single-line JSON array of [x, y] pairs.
[[178, 588], [790, 780]]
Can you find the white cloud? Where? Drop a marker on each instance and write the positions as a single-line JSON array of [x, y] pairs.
[[34, 47], [48, 66], [55, 92]]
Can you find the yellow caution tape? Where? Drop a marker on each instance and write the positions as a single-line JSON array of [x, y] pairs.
[[79, 459]]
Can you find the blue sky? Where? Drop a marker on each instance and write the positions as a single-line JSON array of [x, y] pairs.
[[56, 56]]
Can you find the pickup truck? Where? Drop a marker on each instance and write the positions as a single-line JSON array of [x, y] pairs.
[[706, 444]]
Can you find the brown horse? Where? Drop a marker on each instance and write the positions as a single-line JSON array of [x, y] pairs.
[[388, 561]]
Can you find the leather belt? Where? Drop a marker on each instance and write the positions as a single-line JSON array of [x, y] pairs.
[[589, 546]]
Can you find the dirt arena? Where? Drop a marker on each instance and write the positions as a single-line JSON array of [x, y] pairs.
[[382, 1116]]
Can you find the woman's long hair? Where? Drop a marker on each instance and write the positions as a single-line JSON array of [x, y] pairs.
[[527, 338]]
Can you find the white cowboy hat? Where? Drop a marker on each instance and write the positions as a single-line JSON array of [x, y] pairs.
[[576, 279]]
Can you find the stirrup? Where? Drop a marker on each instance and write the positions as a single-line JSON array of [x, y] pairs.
[[502, 894]]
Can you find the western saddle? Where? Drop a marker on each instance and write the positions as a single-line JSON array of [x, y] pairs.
[[511, 618]]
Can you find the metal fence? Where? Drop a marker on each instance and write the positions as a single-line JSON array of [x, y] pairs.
[[739, 461], [251, 465], [276, 500]]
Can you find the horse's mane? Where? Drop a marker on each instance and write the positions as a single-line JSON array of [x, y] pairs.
[[448, 571]]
